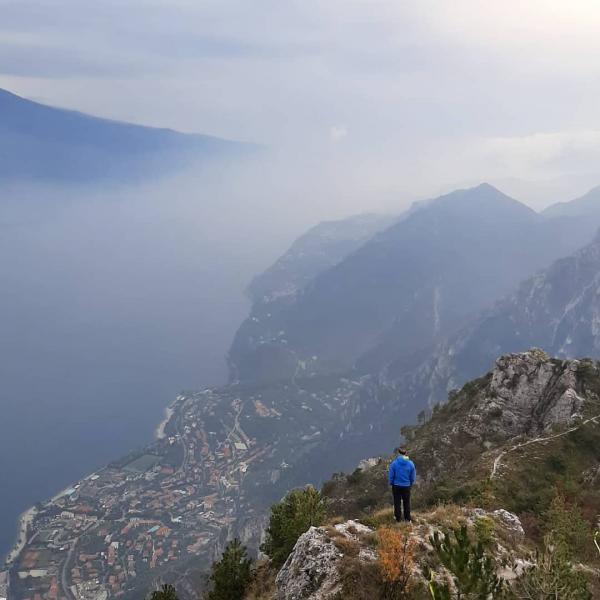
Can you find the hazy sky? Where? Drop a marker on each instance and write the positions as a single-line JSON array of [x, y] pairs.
[[407, 97]]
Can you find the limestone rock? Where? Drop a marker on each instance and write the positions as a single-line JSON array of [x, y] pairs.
[[368, 463], [311, 570], [510, 521]]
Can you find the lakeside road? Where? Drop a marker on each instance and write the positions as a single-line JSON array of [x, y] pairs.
[[25, 521]]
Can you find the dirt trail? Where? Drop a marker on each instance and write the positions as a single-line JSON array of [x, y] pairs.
[[497, 460]]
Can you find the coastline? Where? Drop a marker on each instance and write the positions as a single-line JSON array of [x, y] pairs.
[[159, 433], [25, 520]]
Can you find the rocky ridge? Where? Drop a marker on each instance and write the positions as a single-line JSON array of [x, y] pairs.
[[531, 418], [499, 444], [322, 557]]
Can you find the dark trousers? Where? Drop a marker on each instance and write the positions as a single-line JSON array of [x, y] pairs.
[[401, 498]]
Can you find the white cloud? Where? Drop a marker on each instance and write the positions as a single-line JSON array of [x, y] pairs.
[[433, 92]]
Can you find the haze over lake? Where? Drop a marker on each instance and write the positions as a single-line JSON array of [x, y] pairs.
[[111, 305]]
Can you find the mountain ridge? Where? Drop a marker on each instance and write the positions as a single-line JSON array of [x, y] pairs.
[[44, 143], [404, 289], [512, 459]]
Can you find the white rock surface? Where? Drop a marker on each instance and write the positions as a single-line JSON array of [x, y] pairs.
[[368, 463], [311, 570], [510, 521]]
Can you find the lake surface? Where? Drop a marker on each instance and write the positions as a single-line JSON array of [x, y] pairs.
[[109, 307]]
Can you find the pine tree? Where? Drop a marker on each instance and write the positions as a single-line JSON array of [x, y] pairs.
[[552, 576], [290, 518], [166, 592], [472, 569], [566, 525], [231, 575]]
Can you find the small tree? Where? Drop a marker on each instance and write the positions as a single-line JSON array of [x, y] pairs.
[[473, 570], [165, 592], [566, 526], [231, 575], [396, 561], [552, 576], [290, 518]]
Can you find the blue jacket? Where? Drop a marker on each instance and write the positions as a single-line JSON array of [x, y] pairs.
[[402, 471]]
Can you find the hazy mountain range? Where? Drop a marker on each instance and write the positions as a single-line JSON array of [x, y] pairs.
[[421, 307], [406, 288], [42, 143]]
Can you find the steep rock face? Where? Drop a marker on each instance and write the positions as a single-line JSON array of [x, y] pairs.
[[535, 393], [557, 310], [525, 393], [403, 291]]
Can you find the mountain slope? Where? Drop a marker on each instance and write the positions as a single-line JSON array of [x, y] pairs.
[[512, 457], [402, 291], [319, 249], [42, 143], [510, 436], [557, 310], [587, 205]]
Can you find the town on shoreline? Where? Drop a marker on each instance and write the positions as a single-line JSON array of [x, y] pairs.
[[136, 516], [170, 507]]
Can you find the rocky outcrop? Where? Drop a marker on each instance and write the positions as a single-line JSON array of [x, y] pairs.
[[532, 392], [311, 571], [528, 398]]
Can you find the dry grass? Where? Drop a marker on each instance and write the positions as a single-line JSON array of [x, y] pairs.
[[446, 516], [347, 546], [360, 580], [379, 518]]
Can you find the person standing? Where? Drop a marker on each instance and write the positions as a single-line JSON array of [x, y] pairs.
[[402, 476]]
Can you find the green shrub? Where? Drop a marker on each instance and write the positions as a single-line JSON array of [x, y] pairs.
[[565, 524], [290, 518], [484, 530], [473, 570], [552, 576]]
